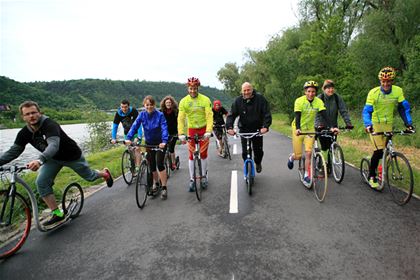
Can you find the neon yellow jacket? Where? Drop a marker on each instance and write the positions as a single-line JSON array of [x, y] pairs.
[[196, 111]]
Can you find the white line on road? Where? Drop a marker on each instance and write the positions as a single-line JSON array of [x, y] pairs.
[[235, 149], [234, 192]]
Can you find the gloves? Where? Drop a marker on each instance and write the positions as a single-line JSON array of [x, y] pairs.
[[207, 135], [349, 126], [182, 138], [369, 129]]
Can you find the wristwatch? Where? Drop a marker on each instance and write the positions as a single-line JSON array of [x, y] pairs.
[[40, 162]]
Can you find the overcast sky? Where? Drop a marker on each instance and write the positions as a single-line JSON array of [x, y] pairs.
[[154, 40]]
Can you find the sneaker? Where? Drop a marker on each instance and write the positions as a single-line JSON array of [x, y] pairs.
[[204, 183], [221, 155], [373, 182], [258, 167], [164, 194], [53, 220], [155, 188], [290, 162], [307, 181], [192, 186], [108, 178]]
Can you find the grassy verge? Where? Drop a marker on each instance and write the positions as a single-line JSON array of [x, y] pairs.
[[110, 158], [357, 145]]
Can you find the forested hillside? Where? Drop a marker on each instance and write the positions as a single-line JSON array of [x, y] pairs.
[[101, 94]]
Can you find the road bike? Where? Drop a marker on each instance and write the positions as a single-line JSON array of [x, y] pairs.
[[144, 181], [249, 164], [318, 168], [396, 170], [198, 175], [168, 161], [15, 211], [225, 141]]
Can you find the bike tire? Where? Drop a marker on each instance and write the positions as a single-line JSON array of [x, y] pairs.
[[399, 178], [197, 179], [177, 162], [364, 170], [319, 176], [14, 235], [127, 167], [337, 163], [226, 146], [73, 194], [142, 186], [168, 165], [249, 178]]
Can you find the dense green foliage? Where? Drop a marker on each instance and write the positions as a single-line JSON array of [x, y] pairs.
[[344, 40]]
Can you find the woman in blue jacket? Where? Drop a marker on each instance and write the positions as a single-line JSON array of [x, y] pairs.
[[155, 132]]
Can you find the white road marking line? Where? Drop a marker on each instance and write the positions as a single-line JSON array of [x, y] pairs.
[[235, 149], [233, 208]]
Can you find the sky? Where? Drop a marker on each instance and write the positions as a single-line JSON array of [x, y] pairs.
[[153, 40]]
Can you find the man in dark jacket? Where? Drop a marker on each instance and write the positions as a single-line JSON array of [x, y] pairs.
[[254, 114]]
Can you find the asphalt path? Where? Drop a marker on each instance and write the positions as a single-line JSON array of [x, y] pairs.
[[280, 232]]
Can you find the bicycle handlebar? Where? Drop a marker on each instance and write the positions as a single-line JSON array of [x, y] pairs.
[[13, 168], [248, 135], [398, 132]]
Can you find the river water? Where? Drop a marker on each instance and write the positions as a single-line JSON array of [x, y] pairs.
[[78, 132]]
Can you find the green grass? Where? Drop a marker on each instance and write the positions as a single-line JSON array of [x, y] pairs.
[[354, 153]]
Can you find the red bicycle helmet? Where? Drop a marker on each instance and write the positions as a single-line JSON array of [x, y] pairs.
[[193, 82]]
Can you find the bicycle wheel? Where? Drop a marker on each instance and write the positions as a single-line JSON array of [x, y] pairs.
[[142, 186], [364, 170], [399, 178], [319, 176], [177, 162], [15, 223], [337, 163], [73, 199], [226, 146], [249, 179], [197, 178], [168, 164], [127, 167]]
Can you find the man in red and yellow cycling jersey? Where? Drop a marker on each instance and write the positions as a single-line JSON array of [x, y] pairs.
[[196, 110], [378, 115]]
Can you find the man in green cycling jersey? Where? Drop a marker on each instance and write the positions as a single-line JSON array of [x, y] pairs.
[[57, 150], [378, 115], [196, 110]]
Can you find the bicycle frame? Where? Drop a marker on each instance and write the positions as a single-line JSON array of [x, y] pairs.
[[248, 137]]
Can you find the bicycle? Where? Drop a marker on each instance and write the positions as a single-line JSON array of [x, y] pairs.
[[226, 150], [15, 211], [249, 164], [197, 175], [318, 170], [128, 163], [396, 170], [144, 181], [168, 162]]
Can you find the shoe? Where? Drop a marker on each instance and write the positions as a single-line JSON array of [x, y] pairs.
[[108, 178], [173, 167], [373, 183], [155, 188], [192, 186], [221, 155], [290, 162], [204, 183], [53, 220], [164, 194], [258, 167], [307, 181]]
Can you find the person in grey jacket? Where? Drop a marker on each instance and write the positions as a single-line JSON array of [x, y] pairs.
[[334, 103]]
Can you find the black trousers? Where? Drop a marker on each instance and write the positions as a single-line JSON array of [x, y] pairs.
[[256, 145]]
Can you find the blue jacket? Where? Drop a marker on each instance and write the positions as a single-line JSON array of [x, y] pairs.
[[154, 127]]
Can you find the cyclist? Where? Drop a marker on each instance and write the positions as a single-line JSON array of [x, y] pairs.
[[169, 108], [306, 108], [57, 150], [195, 109], [333, 103], [378, 115], [126, 116], [254, 114], [219, 115], [155, 133]]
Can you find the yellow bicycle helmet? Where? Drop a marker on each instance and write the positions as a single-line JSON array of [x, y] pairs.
[[387, 73], [311, 84]]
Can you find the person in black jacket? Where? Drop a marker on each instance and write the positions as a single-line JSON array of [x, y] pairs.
[[169, 108], [254, 114]]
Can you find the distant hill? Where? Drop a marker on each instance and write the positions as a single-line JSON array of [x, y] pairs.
[[102, 94]]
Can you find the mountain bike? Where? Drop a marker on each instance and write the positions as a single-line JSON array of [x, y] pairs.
[[144, 181], [168, 162], [128, 162], [318, 168], [249, 164], [225, 141], [15, 211], [198, 173], [396, 170]]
